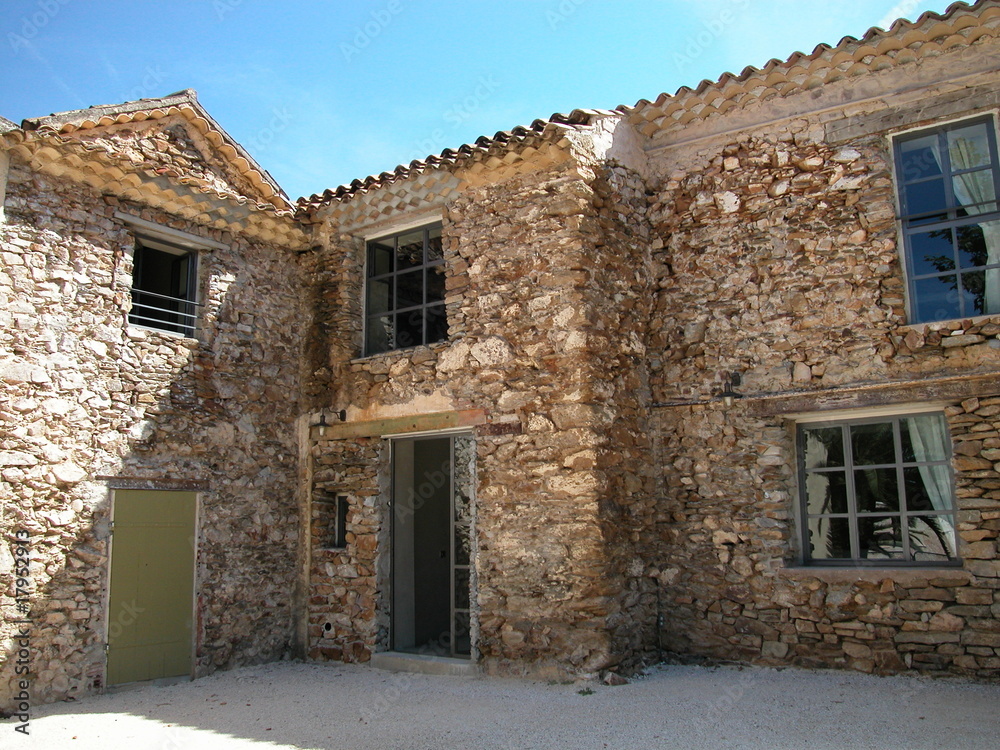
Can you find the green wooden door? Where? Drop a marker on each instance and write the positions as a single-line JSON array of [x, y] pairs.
[[152, 585]]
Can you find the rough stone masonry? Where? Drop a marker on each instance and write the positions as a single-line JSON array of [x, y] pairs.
[[605, 273]]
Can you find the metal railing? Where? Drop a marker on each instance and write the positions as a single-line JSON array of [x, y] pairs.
[[162, 312]]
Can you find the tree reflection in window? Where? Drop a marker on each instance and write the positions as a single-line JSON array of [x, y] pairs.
[[878, 490]]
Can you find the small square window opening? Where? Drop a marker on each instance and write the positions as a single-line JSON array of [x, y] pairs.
[[164, 287], [329, 522]]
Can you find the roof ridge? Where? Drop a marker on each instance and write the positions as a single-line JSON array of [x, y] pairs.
[[449, 156], [184, 102], [896, 29]]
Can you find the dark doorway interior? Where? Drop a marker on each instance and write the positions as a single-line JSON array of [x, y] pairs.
[[430, 565]]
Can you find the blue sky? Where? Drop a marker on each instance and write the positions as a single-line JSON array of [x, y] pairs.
[[324, 92]]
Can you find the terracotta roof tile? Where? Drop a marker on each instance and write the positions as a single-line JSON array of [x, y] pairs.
[[184, 103], [904, 42], [501, 141]]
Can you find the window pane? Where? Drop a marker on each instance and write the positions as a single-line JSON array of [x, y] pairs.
[[877, 490], [932, 538], [824, 446], [972, 250], [409, 329], [461, 588], [406, 273], [932, 252], [924, 197], [379, 336], [463, 542], [435, 284], [380, 296], [463, 633], [829, 538], [873, 444], [936, 299], [379, 258], [974, 293], [924, 438], [409, 289], [880, 538], [918, 159], [437, 324], [975, 189], [410, 250], [826, 492], [435, 248], [969, 147], [927, 488]]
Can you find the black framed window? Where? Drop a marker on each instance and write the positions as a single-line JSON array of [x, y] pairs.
[[404, 291], [329, 520], [949, 181], [877, 491], [164, 287]]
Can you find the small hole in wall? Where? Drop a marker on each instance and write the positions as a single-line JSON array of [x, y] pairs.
[[327, 627]]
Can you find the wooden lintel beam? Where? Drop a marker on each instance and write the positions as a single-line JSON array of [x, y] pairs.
[[954, 388], [153, 483], [444, 420]]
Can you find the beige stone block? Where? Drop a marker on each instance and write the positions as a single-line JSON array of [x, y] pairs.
[[971, 463], [856, 650], [962, 340], [973, 638], [986, 550], [966, 662], [946, 622], [774, 649], [966, 595], [926, 638], [801, 373]]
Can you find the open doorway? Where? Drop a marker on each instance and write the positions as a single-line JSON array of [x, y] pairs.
[[432, 522]]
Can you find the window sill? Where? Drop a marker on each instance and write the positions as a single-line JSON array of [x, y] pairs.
[[132, 328], [434, 348], [905, 576], [940, 325]]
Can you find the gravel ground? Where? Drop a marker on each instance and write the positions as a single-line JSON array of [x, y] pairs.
[[290, 705]]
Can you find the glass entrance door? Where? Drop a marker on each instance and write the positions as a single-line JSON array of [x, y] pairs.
[[431, 545]]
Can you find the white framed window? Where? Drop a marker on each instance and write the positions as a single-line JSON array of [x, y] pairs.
[[948, 179], [404, 290], [877, 491]]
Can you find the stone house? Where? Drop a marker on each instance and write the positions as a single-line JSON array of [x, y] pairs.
[[714, 375]]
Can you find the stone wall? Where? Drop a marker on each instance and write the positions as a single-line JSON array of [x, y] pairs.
[[347, 620], [777, 258], [554, 517], [541, 307], [86, 396]]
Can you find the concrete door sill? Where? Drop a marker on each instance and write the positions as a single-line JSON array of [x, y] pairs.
[[397, 661]]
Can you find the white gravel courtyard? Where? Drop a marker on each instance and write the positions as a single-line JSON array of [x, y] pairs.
[[291, 705]]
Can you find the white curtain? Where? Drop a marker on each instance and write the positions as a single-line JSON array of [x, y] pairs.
[[977, 187], [930, 441], [972, 188]]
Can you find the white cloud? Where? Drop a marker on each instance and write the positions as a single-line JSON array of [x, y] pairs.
[[902, 9]]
